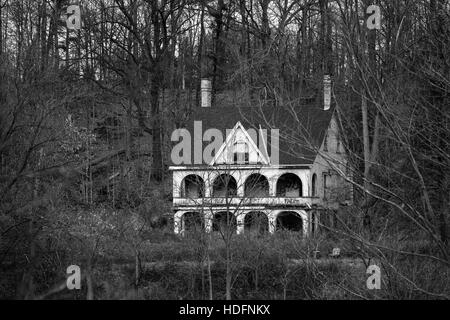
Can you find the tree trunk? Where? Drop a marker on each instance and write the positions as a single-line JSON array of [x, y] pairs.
[[137, 268], [228, 275], [155, 86], [89, 282], [325, 38], [210, 278], [367, 163], [157, 171], [369, 76], [218, 47], [43, 33], [200, 57], [265, 27], [1, 29], [53, 33]]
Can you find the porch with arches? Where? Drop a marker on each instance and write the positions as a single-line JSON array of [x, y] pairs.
[[251, 220]]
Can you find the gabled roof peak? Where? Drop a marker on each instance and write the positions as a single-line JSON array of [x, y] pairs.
[[254, 151]]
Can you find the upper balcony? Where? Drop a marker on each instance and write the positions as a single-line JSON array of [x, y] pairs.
[[286, 189], [236, 201]]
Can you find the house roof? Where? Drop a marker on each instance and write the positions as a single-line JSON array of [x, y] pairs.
[[301, 128]]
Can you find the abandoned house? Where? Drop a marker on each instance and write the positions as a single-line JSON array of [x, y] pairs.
[[276, 168]]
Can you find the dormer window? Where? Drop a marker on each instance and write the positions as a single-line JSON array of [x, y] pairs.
[[240, 153]]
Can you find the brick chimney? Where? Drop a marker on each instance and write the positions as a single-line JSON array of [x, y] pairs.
[[206, 91], [326, 92]]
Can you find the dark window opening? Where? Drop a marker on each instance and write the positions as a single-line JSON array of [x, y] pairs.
[[240, 153], [289, 185], [224, 186], [193, 222], [325, 142], [240, 158], [314, 185], [256, 223], [325, 186], [224, 222], [192, 187], [291, 221], [256, 185], [338, 143]]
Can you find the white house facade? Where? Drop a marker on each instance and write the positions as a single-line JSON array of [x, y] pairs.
[[244, 189]]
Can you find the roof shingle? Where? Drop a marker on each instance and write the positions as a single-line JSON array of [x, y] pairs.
[[301, 128]]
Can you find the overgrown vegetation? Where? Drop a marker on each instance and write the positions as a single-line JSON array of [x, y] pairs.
[[85, 124]]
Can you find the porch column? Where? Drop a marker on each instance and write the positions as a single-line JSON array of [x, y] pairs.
[[313, 222], [272, 221], [272, 187], [305, 222], [176, 185], [208, 220], [208, 187], [306, 180], [240, 219], [178, 222], [241, 189]]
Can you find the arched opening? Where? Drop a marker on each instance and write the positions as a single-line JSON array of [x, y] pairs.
[[224, 186], [256, 222], [313, 222], [289, 185], [256, 185], [224, 221], [193, 222], [192, 187], [314, 185], [289, 220]]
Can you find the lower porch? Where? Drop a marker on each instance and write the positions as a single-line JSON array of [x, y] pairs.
[[254, 220]]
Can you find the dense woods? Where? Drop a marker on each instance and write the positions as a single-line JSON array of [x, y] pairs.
[[86, 118]]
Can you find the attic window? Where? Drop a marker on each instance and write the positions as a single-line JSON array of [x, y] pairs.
[[240, 153], [325, 142]]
